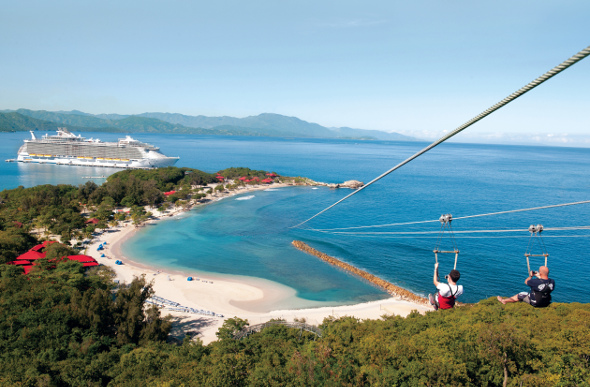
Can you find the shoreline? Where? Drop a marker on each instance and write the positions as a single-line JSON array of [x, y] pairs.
[[230, 296]]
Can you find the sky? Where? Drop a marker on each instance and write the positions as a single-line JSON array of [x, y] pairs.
[[420, 68]]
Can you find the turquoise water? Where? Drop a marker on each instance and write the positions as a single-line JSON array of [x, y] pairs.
[[252, 237]]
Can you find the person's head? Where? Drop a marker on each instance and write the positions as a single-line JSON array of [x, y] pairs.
[[544, 271], [454, 275]]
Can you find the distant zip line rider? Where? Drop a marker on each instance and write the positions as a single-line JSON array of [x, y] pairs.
[[447, 293], [541, 288]]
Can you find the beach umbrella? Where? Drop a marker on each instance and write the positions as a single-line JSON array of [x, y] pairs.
[[189, 279]]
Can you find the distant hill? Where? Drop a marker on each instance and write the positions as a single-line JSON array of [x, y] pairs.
[[266, 124]]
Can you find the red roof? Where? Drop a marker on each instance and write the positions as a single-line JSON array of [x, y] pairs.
[[243, 178], [30, 256], [81, 258], [169, 193], [89, 264], [92, 220], [27, 268], [42, 245], [19, 262]]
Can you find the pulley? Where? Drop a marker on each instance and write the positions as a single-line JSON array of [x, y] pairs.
[[535, 240], [445, 228]]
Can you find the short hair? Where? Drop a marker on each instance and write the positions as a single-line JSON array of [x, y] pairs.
[[455, 275]]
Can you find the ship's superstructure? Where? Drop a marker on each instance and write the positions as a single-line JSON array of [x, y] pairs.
[[65, 148]]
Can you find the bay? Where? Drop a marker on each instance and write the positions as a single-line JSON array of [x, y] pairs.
[[252, 237]]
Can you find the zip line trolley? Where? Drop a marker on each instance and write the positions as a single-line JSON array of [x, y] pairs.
[[445, 227], [535, 240]]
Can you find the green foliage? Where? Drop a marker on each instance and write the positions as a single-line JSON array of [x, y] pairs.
[[62, 327], [14, 242]]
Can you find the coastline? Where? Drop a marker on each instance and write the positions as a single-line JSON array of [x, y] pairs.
[[230, 296]]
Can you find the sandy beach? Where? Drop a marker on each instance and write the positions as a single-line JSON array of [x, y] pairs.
[[218, 295]]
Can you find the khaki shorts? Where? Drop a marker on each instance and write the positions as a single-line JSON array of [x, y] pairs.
[[524, 297]]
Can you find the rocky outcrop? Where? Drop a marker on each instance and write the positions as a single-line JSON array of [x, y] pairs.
[[352, 184], [387, 286]]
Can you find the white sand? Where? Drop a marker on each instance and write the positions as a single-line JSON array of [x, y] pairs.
[[230, 296]]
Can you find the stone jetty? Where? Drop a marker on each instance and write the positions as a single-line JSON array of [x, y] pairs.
[[392, 289]]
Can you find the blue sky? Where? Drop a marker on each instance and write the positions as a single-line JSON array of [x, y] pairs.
[[420, 68]]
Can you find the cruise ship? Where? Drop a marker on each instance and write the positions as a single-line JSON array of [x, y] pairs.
[[65, 148]]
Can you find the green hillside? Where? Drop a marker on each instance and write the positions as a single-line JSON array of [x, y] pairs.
[[266, 124]]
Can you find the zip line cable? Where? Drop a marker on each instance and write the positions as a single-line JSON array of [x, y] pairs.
[[460, 217], [548, 75], [369, 233]]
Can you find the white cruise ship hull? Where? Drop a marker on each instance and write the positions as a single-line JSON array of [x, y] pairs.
[[68, 149], [98, 162]]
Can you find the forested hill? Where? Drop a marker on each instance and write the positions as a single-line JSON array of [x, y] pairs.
[[266, 124], [61, 325]]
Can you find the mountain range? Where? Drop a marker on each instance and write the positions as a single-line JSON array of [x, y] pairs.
[[265, 124]]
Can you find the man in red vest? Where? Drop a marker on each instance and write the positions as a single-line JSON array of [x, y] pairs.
[[447, 293]]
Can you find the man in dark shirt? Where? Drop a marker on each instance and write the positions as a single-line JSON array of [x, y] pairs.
[[541, 288]]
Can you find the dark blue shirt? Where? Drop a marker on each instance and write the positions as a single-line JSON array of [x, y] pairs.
[[540, 294]]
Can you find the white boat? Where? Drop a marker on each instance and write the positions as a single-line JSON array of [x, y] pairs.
[[65, 148]]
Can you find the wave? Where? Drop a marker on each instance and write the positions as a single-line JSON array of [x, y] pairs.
[[271, 190], [245, 197]]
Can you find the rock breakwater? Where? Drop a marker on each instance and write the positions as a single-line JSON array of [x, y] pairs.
[[387, 286]]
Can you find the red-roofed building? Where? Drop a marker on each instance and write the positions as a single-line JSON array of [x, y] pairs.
[[27, 268], [41, 246], [169, 193], [30, 255], [19, 262], [92, 221], [81, 258]]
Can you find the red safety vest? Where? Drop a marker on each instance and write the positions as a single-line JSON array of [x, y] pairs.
[[447, 302]]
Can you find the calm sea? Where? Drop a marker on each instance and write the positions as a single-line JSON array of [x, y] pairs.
[[251, 234]]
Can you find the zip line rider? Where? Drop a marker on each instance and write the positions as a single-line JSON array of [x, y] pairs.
[[447, 293], [541, 287]]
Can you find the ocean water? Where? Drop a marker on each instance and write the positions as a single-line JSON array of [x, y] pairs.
[[251, 234]]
